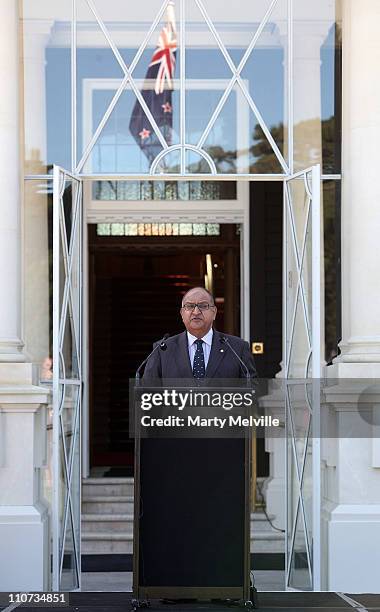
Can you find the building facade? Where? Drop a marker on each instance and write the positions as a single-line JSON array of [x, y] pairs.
[[248, 164]]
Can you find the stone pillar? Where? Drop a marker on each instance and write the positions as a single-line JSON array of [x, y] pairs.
[[351, 487], [352, 504], [36, 250], [11, 344], [360, 345], [36, 37], [24, 533]]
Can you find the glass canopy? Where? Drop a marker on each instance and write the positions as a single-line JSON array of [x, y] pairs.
[[196, 88]]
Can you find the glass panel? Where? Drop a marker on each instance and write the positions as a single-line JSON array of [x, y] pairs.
[[316, 99], [207, 73], [38, 275], [213, 229], [98, 77], [307, 492], [158, 229], [117, 229], [236, 141], [103, 229], [332, 259], [67, 406], [70, 578], [331, 85], [127, 143], [163, 190], [196, 164], [299, 413], [69, 365], [47, 84], [169, 164], [76, 486], [264, 75], [301, 399], [299, 568], [299, 295], [69, 416], [102, 58], [131, 229]]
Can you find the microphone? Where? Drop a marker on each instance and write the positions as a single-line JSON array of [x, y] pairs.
[[161, 344], [225, 340]]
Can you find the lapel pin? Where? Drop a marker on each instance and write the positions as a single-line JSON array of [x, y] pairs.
[[222, 350]]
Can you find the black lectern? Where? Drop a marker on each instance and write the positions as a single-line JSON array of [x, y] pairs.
[[192, 518]]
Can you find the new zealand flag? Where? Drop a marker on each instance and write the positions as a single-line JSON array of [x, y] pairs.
[[157, 93]]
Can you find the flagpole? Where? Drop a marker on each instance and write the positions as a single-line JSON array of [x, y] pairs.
[[170, 15]]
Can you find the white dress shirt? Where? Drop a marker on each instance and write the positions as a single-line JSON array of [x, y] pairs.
[[207, 341]]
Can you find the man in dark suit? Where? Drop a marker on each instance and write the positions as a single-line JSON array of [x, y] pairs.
[[200, 351], [191, 479]]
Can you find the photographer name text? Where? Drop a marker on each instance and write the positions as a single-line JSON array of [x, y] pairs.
[[215, 422]]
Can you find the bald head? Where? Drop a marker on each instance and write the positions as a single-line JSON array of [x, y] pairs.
[[210, 298], [198, 311]]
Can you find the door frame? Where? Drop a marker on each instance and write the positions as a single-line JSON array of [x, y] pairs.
[[179, 211]]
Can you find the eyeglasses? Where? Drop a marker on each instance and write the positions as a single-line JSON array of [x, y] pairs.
[[189, 306]]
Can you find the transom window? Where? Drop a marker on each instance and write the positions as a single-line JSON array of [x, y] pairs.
[[158, 229]]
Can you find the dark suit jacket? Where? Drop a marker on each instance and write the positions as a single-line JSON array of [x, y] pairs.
[[174, 362]]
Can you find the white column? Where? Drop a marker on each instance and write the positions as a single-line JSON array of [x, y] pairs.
[[360, 344], [36, 36], [10, 236], [352, 509], [24, 534], [351, 489], [36, 251]]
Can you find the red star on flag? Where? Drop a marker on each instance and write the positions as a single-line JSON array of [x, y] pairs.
[[144, 134], [167, 107]]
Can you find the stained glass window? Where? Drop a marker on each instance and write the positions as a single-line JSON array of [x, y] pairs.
[[158, 229], [164, 190]]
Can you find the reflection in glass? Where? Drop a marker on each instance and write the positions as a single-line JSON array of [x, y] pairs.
[[299, 272], [38, 279], [235, 140], [316, 86], [164, 190], [332, 267]]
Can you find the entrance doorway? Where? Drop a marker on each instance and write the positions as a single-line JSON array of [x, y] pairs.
[[136, 284]]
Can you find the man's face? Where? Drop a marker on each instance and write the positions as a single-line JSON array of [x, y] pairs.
[[198, 320]]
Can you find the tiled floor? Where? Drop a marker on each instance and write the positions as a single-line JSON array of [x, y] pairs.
[[268, 602]]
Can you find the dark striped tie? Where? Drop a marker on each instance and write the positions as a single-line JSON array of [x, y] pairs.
[[199, 368]]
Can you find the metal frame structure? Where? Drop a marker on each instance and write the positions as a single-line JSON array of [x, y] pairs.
[[67, 377], [63, 458], [302, 397], [128, 79]]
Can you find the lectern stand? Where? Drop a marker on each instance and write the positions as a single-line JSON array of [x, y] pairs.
[[192, 519]]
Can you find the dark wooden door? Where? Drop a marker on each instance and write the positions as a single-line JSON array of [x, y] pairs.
[[136, 287]]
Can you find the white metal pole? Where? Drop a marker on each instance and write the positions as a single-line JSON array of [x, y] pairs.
[[316, 371], [55, 445]]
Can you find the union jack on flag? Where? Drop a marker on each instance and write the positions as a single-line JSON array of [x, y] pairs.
[[158, 98]]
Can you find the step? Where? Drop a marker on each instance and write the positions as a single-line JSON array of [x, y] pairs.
[[110, 523], [121, 543], [260, 516], [122, 504], [106, 487], [106, 543]]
